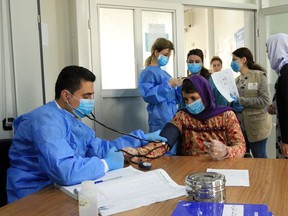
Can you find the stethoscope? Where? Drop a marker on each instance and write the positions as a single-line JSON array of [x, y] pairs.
[[141, 164], [92, 117]]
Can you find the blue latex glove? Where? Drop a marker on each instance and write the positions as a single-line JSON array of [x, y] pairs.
[[154, 136], [235, 104], [235, 99], [238, 108], [114, 159]]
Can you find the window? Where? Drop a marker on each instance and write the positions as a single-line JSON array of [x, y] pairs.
[[126, 35], [117, 48], [155, 25]]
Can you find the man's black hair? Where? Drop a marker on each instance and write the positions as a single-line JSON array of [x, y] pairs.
[[70, 78]]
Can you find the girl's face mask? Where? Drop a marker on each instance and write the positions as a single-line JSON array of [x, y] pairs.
[[195, 107]]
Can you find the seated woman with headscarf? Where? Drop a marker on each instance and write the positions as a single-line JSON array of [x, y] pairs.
[[201, 128]]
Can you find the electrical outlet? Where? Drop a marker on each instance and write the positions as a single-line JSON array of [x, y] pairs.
[[8, 123]]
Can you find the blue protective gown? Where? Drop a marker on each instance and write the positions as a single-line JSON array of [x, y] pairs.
[[162, 99], [51, 146]]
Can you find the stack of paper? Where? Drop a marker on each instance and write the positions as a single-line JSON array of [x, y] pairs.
[[187, 208], [132, 190]]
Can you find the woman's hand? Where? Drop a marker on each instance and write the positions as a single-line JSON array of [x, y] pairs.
[[284, 149], [174, 82], [131, 151], [217, 150], [272, 109]]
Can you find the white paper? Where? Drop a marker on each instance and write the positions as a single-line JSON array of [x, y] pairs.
[[234, 177], [127, 171], [253, 86], [225, 83], [133, 190], [234, 210]]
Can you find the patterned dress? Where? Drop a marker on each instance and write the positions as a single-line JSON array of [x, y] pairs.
[[224, 127]]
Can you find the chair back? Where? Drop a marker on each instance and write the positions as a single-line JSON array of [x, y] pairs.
[[4, 165]]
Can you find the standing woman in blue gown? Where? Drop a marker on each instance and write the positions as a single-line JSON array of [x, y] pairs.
[[157, 87]]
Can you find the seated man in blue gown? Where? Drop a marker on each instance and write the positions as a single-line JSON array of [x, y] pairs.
[[52, 145]]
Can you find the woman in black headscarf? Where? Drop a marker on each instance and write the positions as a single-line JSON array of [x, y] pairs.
[[277, 48]]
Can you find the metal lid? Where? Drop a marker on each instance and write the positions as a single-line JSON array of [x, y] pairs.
[[205, 180]]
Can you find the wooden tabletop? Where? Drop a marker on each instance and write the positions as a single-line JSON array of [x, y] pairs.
[[268, 185]]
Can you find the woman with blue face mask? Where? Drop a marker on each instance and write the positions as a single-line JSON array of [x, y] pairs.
[[253, 100], [159, 90], [195, 61], [201, 128]]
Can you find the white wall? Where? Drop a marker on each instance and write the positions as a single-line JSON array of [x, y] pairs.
[[226, 23], [57, 52], [196, 35], [7, 92], [22, 59]]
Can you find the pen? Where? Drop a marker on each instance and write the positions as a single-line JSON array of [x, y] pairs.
[[76, 191], [100, 181]]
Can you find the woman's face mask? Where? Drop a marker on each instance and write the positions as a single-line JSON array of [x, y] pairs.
[[194, 68], [235, 66], [195, 107], [162, 60]]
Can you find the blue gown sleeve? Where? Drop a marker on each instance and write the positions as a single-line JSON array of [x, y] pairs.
[[64, 163], [68, 163], [100, 147], [155, 88]]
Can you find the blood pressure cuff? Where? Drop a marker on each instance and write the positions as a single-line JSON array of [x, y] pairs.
[[171, 133]]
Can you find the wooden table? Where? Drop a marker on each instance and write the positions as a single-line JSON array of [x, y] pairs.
[[268, 185]]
